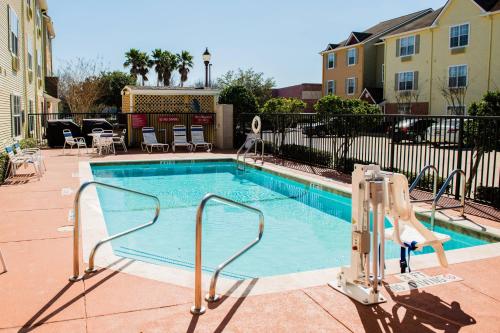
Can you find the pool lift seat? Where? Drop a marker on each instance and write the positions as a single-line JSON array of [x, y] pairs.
[[387, 195]]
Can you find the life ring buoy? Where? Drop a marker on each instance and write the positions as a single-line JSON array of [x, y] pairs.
[[256, 124]]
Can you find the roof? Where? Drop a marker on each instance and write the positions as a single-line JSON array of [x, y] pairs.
[[423, 22], [375, 94], [489, 5], [380, 29]]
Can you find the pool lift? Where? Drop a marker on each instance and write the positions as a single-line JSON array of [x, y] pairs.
[[387, 195], [252, 141]]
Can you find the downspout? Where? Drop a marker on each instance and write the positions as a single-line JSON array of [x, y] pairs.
[[431, 73], [491, 50], [24, 70]]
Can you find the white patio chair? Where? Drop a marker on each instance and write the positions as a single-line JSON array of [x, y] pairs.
[[150, 141], [33, 153], [71, 141], [198, 139], [95, 138], [16, 161], [105, 142], [180, 138], [121, 140]]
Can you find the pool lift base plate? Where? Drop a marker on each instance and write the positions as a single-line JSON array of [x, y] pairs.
[[357, 292]]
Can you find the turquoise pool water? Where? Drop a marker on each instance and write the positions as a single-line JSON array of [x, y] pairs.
[[305, 228]]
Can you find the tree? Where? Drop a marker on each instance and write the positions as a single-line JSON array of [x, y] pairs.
[[282, 124], [159, 64], [482, 133], [139, 63], [184, 65], [255, 82], [344, 127], [80, 85], [454, 96], [112, 85], [171, 64], [243, 101]]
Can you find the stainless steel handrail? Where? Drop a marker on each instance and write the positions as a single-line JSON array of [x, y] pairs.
[[198, 309], [76, 229], [253, 144], [417, 180], [442, 190]]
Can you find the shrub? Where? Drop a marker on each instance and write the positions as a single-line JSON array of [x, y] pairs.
[[28, 143], [489, 194], [347, 165], [4, 159], [301, 153], [426, 182], [241, 98]]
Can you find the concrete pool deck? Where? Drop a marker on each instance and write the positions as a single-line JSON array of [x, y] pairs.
[[35, 293]]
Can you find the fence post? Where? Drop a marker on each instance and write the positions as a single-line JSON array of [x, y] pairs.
[[310, 136], [459, 157], [393, 125]]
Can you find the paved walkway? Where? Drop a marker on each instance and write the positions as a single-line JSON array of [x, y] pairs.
[[35, 293]]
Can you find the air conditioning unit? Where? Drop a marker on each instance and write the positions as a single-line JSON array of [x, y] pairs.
[[15, 63]]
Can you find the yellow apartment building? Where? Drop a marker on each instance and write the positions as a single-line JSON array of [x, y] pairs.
[[27, 84], [452, 51], [353, 68]]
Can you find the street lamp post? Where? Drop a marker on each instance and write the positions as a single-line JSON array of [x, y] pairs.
[[206, 60]]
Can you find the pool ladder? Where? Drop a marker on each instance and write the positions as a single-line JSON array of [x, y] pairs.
[[76, 229], [250, 142], [436, 196], [197, 308]]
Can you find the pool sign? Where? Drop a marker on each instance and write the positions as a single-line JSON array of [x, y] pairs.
[[168, 119], [417, 280], [202, 119], [139, 120]]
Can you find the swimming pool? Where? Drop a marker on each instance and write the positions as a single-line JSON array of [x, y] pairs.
[[306, 228]]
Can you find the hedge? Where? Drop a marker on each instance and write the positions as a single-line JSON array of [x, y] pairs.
[[306, 154]]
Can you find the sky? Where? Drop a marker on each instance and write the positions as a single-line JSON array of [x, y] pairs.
[[281, 38]]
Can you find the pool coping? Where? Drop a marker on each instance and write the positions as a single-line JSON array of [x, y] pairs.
[[96, 230]]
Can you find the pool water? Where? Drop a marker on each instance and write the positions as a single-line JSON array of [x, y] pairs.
[[305, 228]]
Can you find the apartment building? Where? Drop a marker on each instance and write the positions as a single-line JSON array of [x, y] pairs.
[[27, 84], [445, 60], [309, 93], [354, 67]]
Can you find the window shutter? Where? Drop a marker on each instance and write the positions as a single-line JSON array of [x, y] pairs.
[[415, 80], [346, 86], [398, 47], [8, 31], [347, 58], [356, 85], [396, 82], [335, 60], [417, 44], [355, 55], [334, 90]]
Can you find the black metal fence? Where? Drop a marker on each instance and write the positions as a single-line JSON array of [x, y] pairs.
[[396, 142], [133, 122]]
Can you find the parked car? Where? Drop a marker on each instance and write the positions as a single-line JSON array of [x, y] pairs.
[[412, 129], [444, 132], [319, 129]]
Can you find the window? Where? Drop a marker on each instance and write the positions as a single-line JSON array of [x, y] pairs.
[[407, 46], [30, 53], [457, 76], [351, 57], [15, 109], [405, 81], [456, 110], [39, 64], [38, 20], [404, 109], [31, 124], [330, 87], [351, 86], [331, 61], [13, 32], [459, 35]]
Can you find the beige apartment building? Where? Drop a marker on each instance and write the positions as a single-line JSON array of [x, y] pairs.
[[27, 84]]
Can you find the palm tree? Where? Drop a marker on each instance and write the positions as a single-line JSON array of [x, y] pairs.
[[159, 63], [185, 63], [139, 64], [171, 64]]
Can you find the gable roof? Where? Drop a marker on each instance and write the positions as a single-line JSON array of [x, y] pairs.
[[488, 5], [423, 22], [379, 29]]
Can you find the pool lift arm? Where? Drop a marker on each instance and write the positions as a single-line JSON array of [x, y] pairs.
[[386, 195]]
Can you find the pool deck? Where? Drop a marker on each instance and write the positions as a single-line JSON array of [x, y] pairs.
[[35, 293]]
